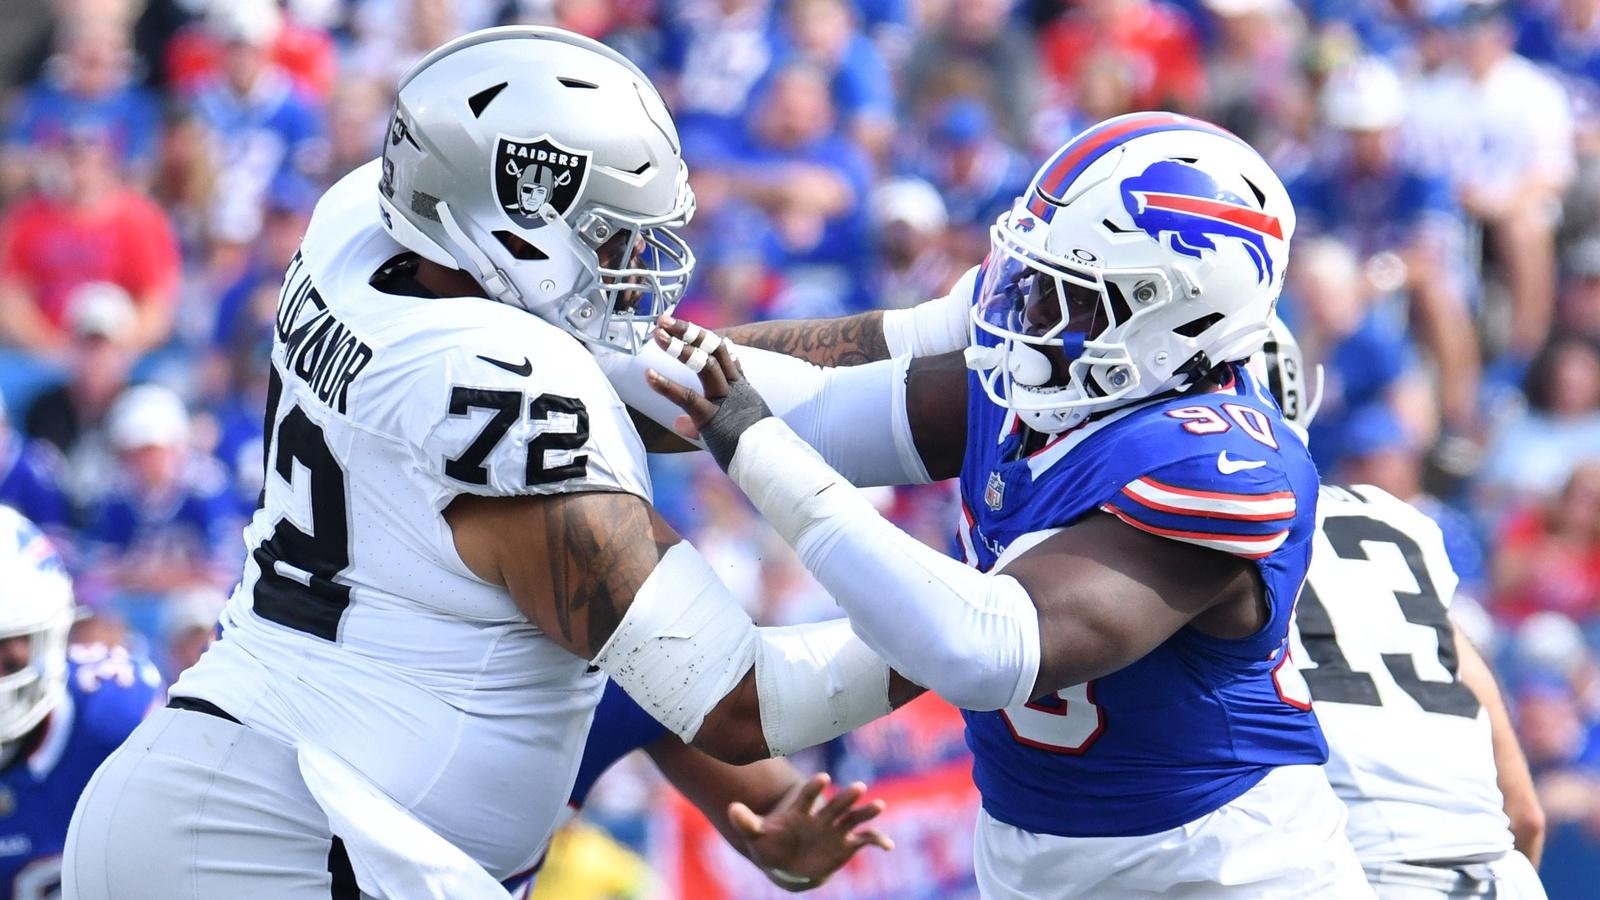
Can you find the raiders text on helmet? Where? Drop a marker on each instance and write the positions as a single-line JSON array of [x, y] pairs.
[[545, 165]]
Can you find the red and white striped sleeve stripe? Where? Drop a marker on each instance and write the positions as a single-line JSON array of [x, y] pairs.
[[1249, 546], [1183, 501]]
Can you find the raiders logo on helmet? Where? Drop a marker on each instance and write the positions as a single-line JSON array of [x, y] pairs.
[[531, 173]]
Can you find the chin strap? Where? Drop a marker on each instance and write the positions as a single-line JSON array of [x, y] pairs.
[[493, 279]]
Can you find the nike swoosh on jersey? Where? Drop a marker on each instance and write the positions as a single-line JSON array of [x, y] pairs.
[[1229, 466], [523, 370]]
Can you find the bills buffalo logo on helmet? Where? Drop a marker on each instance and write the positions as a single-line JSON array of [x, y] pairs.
[[529, 174], [1187, 205]]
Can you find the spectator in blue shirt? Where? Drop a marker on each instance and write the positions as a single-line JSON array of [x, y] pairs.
[[716, 53], [1566, 37], [977, 173], [31, 475], [1365, 352], [168, 522], [267, 129], [976, 35], [812, 184], [824, 33], [1533, 452], [1400, 220], [88, 85]]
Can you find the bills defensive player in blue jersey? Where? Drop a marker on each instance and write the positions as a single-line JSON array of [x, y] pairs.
[[62, 710], [1137, 524], [766, 810]]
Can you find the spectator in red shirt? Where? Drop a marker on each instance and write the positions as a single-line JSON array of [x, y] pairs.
[[1158, 40], [304, 52], [86, 225], [1549, 557]]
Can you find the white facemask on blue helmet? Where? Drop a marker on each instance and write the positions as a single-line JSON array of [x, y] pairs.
[[38, 607], [1147, 251]]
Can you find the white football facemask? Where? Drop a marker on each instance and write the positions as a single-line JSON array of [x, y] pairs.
[[38, 609]]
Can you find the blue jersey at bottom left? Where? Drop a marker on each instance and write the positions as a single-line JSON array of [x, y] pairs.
[[108, 693]]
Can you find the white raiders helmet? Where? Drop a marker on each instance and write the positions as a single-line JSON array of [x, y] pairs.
[[37, 606], [1282, 368], [545, 165], [1147, 251]]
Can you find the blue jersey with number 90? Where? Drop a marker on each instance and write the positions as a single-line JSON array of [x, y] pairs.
[[1199, 720]]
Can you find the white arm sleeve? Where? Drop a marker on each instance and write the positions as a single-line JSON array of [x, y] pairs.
[[854, 416], [971, 637], [932, 327], [685, 643]]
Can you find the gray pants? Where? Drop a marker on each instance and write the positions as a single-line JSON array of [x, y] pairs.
[[195, 807], [1511, 877]]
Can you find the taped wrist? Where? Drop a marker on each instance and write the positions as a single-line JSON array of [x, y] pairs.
[[816, 682], [742, 408]]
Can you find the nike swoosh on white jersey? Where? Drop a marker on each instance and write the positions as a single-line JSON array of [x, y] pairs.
[[1229, 466]]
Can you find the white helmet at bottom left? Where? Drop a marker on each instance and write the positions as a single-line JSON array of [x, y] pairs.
[[36, 606]]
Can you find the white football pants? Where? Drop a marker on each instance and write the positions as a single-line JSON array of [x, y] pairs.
[[1511, 877], [195, 807], [1283, 838]]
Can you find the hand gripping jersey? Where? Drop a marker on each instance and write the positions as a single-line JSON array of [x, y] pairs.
[[1199, 720], [1409, 749], [108, 694], [356, 626]]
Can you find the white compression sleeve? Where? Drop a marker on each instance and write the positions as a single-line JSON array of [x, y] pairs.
[[855, 416], [816, 682], [972, 638], [933, 326], [685, 643]]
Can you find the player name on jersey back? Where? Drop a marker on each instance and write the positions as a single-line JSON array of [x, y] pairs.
[[319, 349]]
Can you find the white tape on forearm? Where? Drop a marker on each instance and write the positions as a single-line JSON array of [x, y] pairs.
[[683, 644], [971, 637], [816, 682]]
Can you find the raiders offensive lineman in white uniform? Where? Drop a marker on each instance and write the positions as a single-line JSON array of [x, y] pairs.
[[456, 521], [1419, 742]]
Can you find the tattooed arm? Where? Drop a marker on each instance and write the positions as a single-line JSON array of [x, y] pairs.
[[848, 341], [576, 563], [930, 328]]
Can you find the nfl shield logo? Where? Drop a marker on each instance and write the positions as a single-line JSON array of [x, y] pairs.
[[995, 494], [529, 174]]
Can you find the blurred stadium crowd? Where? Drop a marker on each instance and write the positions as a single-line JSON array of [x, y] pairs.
[[161, 160]]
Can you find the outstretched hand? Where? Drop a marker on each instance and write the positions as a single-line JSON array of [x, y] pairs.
[[803, 840], [726, 404]]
